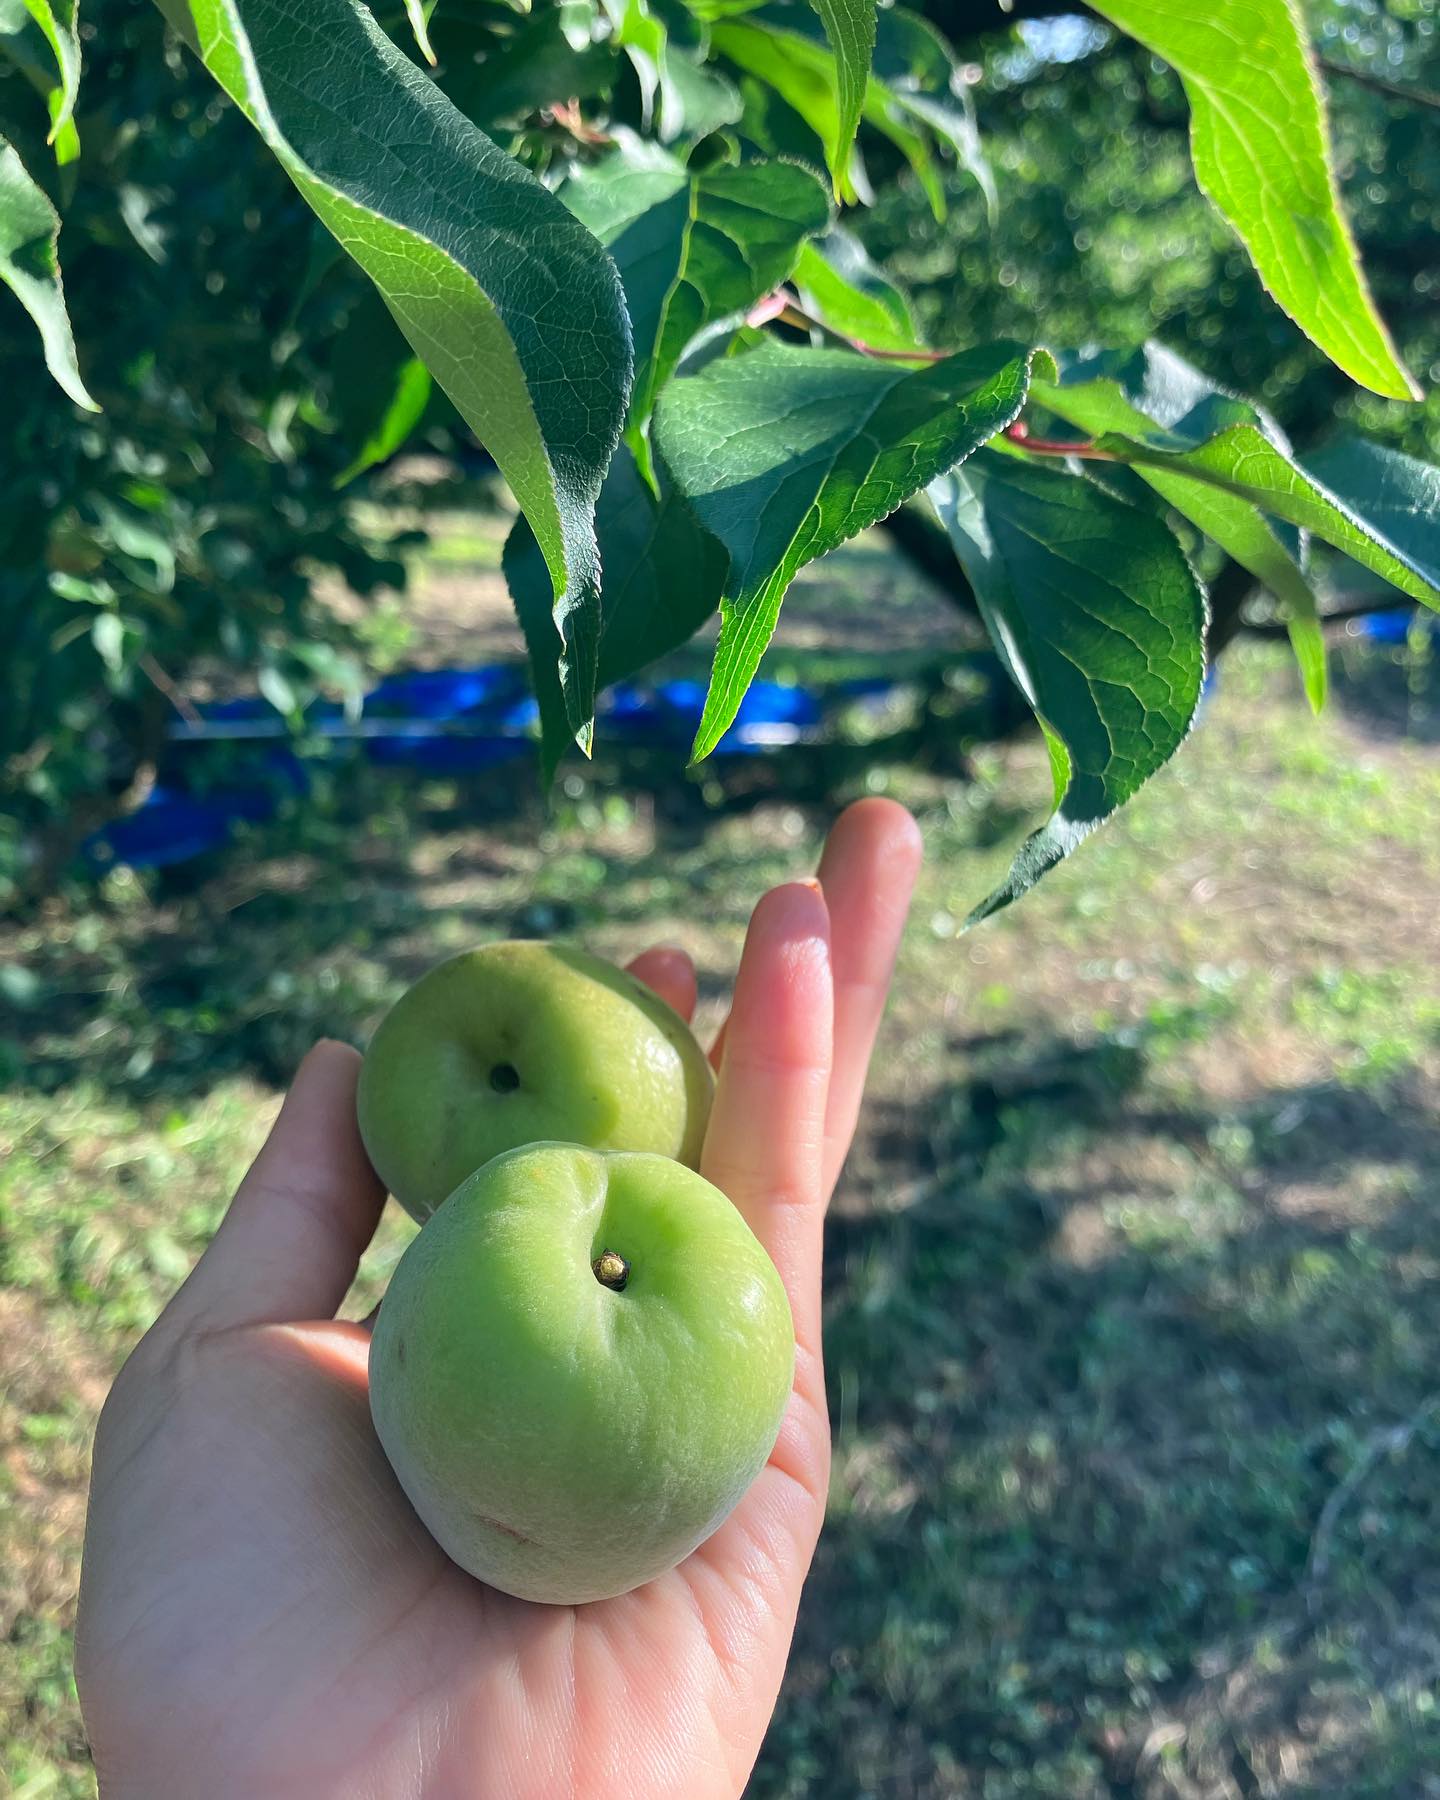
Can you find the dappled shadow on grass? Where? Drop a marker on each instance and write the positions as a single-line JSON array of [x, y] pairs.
[[1096, 1386]]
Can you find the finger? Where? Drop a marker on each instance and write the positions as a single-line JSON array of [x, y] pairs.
[[287, 1249], [670, 972], [868, 872], [765, 1144]]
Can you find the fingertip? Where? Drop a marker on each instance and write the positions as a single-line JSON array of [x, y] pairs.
[[329, 1060], [669, 971], [321, 1091], [889, 829], [794, 913]]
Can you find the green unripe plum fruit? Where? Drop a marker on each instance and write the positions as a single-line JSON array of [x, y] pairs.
[[579, 1367], [519, 1042]]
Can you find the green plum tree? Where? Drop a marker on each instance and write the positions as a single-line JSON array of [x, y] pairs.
[[626, 241]]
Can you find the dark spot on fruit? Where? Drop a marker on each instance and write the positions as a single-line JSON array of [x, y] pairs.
[[508, 1530], [504, 1078], [400, 1350]]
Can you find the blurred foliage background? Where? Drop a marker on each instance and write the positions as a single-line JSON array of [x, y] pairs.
[[1099, 234]]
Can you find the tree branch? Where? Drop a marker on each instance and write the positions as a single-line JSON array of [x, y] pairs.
[[1397, 90]]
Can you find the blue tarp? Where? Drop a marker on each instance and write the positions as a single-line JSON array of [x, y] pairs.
[[436, 721]]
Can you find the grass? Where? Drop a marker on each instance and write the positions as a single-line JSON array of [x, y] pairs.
[[1133, 1294]]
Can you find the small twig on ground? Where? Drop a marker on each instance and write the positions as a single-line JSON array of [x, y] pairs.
[[157, 676], [1393, 1440]]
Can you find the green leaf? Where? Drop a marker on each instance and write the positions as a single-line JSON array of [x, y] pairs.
[[40, 38], [420, 25], [692, 248], [786, 452], [1398, 496], [780, 45], [1262, 155], [850, 30], [802, 73], [699, 99], [1156, 385], [1225, 444], [56, 19], [30, 268], [917, 76], [1100, 621], [644, 40], [404, 410], [662, 581], [840, 286], [379, 391], [503, 294]]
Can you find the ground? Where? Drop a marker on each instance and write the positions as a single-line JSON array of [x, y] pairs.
[[1133, 1287]]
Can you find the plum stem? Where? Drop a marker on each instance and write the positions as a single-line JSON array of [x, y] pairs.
[[611, 1269]]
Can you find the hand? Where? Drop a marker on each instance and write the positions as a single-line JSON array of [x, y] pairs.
[[262, 1614]]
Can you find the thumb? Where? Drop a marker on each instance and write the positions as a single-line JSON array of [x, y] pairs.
[[288, 1247]]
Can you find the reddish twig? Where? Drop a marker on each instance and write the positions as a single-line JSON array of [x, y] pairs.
[[1019, 433], [773, 306], [566, 114], [167, 687], [784, 306]]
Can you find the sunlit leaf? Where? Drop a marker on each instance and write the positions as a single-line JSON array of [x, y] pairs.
[[1262, 154], [843, 289], [1227, 444], [785, 453], [30, 268], [420, 25], [920, 102], [850, 30], [503, 294]]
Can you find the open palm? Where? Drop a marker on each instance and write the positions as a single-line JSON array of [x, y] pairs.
[[261, 1612]]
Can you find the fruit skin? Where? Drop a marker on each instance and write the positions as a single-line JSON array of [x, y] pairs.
[[600, 1061], [564, 1441]]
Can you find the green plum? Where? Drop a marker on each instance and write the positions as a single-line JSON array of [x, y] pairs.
[[518, 1042], [580, 1366]]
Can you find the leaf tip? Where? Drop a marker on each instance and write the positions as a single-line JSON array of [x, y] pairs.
[[1043, 366]]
